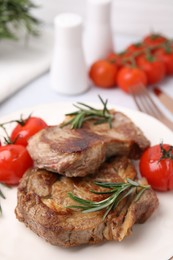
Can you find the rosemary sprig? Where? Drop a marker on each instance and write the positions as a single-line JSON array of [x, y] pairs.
[[2, 196], [85, 113], [17, 15], [116, 193]]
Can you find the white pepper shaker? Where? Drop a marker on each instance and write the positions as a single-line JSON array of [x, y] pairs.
[[98, 32], [68, 70]]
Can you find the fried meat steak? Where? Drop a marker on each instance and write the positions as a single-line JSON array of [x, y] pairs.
[[43, 200], [79, 152]]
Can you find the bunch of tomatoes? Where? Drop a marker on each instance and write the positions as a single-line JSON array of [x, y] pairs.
[[14, 157], [144, 63]]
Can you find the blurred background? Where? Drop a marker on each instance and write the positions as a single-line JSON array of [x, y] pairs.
[[134, 17], [25, 60]]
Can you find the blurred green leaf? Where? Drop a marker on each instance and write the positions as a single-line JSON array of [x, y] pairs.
[[15, 16]]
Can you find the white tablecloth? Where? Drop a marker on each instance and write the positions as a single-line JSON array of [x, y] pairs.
[[21, 62]]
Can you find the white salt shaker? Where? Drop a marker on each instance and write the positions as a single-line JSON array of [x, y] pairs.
[[98, 32], [68, 69]]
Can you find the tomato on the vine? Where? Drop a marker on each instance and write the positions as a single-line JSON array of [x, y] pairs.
[[156, 165], [153, 67], [129, 77], [115, 59], [135, 47], [154, 40], [27, 128], [103, 73], [14, 161], [166, 56], [127, 59]]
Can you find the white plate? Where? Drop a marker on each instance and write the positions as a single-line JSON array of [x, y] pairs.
[[151, 240]]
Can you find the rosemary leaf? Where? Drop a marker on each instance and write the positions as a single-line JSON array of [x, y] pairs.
[[102, 192], [109, 184], [129, 192], [79, 200], [108, 210], [85, 105], [86, 113], [116, 193], [101, 121], [139, 194], [97, 206], [134, 183], [16, 15]]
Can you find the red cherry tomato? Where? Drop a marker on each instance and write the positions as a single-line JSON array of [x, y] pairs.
[[128, 77], [167, 58], [154, 68], [154, 40], [135, 47], [103, 74], [21, 133], [115, 59], [156, 165], [14, 161]]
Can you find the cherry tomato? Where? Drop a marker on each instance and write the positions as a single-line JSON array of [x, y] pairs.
[[135, 47], [131, 76], [154, 40], [154, 68], [14, 161], [114, 58], [21, 133], [103, 73], [167, 58], [156, 165]]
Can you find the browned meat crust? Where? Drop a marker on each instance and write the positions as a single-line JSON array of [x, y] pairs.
[[81, 152], [42, 201]]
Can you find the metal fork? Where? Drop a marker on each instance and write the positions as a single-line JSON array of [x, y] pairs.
[[145, 103]]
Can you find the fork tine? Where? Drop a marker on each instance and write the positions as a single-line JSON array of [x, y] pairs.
[[155, 110], [144, 101], [138, 98], [139, 102], [145, 104]]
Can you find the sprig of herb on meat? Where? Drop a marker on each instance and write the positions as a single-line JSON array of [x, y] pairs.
[[86, 113], [116, 193]]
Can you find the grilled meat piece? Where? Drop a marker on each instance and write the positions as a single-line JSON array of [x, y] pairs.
[[79, 152], [43, 200]]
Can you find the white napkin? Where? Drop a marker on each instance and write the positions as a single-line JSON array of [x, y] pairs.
[[21, 62]]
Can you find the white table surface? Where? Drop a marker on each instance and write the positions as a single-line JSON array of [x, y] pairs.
[[39, 92]]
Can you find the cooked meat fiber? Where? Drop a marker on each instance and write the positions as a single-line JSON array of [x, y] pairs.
[[79, 152], [43, 200]]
